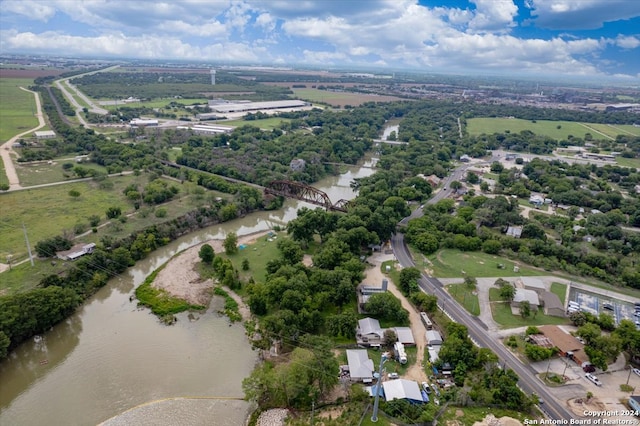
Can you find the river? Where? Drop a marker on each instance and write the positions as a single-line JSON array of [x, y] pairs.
[[112, 362]]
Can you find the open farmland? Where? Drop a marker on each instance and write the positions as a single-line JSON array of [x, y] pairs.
[[340, 99], [18, 115]]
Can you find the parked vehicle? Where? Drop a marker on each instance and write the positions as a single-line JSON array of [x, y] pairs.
[[426, 387], [593, 379], [393, 375], [435, 389], [636, 371], [588, 368]]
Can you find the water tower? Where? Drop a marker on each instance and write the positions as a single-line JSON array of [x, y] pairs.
[[213, 77]]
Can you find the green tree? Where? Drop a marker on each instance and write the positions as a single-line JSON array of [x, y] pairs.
[[113, 212], [206, 253], [230, 243], [74, 193], [491, 246], [589, 332], [245, 264], [389, 338], [290, 250], [386, 305], [470, 282], [409, 280], [525, 309], [507, 292]]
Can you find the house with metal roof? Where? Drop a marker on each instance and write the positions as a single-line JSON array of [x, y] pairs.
[[369, 332], [405, 336], [402, 389], [360, 365]]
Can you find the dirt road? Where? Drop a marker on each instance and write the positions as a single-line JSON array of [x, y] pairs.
[[374, 276], [7, 148]]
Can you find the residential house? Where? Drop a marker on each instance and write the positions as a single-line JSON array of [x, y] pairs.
[[402, 389], [369, 332], [360, 365]]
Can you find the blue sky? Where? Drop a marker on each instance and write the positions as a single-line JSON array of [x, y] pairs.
[[569, 38]]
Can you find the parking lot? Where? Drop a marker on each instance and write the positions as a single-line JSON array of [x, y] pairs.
[[595, 304], [608, 394]]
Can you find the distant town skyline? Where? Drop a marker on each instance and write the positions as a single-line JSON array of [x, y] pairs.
[[563, 38]]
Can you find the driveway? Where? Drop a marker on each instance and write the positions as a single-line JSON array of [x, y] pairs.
[[374, 276]]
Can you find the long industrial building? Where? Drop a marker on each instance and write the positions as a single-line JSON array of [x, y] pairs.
[[222, 108]]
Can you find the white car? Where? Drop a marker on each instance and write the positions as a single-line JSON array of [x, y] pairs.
[[636, 371], [593, 379], [425, 387]]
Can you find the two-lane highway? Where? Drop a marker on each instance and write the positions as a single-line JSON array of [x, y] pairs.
[[528, 382]]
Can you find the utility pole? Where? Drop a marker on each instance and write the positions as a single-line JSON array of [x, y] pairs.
[[374, 416], [629, 376], [28, 246], [313, 409]]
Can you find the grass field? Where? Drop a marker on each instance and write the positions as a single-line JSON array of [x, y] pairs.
[[42, 172], [559, 290], [49, 211], [258, 254], [465, 297], [3, 174], [449, 263], [339, 99], [502, 314], [18, 115], [554, 129], [265, 123]]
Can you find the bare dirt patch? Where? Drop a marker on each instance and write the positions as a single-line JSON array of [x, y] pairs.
[[580, 405], [180, 278]]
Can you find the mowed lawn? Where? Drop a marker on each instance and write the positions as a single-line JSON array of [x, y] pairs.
[[450, 263], [554, 129], [17, 109], [265, 123]]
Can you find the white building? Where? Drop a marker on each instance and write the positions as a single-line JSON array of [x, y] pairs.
[[45, 134], [402, 389], [360, 365], [139, 122]]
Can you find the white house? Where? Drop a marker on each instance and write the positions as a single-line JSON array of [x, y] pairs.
[[402, 389], [360, 365], [369, 332]]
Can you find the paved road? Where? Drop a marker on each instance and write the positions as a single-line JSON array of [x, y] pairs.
[[478, 332]]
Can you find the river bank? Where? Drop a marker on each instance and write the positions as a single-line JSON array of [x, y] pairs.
[[180, 278]]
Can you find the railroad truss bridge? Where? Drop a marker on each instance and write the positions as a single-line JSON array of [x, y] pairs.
[[304, 192]]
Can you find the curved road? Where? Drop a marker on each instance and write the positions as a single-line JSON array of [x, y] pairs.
[[528, 382], [6, 148]]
